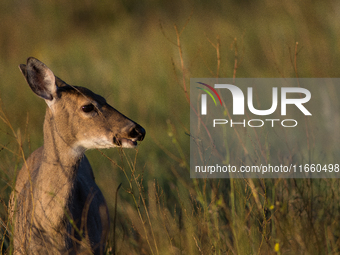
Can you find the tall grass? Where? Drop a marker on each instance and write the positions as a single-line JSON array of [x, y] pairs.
[[135, 56]]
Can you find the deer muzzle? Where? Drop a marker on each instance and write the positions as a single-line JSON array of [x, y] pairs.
[[137, 133]]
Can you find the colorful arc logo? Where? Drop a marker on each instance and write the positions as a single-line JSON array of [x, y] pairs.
[[204, 97]]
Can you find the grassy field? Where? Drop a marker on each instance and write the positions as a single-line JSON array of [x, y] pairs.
[[141, 56]]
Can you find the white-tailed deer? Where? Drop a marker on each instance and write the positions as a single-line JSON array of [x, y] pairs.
[[56, 207]]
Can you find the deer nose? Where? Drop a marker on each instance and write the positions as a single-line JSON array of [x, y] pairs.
[[137, 132]]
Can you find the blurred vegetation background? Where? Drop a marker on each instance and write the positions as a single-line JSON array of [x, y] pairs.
[[139, 55]]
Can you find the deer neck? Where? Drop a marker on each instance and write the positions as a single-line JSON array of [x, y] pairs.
[[57, 173], [59, 149]]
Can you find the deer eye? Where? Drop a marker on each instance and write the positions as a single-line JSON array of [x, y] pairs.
[[88, 108]]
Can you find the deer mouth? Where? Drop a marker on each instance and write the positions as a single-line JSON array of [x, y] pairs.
[[125, 142]]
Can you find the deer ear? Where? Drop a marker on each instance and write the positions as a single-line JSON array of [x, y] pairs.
[[40, 78]]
